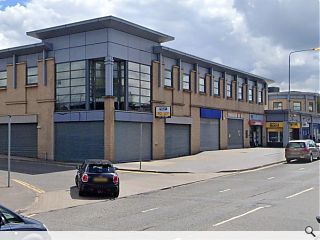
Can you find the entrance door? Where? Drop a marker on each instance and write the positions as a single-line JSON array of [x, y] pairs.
[[235, 133]]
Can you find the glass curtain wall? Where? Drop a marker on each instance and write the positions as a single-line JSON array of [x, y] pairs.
[[97, 84], [119, 86]]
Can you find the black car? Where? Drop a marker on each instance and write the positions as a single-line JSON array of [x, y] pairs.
[[10, 221], [97, 176]]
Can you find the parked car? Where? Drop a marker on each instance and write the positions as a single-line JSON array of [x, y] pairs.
[[11, 221], [302, 149], [98, 176]]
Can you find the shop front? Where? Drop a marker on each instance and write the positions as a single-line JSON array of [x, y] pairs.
[[275, 134], [294, 130], [256, 123]]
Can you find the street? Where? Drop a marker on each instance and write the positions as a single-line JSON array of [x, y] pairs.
[[283, 197]]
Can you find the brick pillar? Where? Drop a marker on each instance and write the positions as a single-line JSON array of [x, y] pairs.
[[109, 134], [224, 131], [221, 85], [158, 138], [234, 90], [195, 130], [254, 94], [245, 92]]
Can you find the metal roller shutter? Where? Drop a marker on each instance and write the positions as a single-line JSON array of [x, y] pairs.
[[76, 141], [177, 137], [127, 136], [24, 139], [209, 134], [235, 133]]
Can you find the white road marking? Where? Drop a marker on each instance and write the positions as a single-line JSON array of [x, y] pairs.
[[301, 168], [242, 215], [307, 190], [226, 190], [149, 210], [270, 178]]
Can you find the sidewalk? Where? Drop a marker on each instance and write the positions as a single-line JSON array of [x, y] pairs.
[[212, 161]]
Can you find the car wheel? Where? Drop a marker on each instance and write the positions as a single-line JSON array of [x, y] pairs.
[[311, 158], [288, 160]]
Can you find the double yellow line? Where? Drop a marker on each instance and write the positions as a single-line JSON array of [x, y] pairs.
[[29, 186]]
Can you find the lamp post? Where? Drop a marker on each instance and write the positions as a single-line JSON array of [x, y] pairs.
[[289, 91]]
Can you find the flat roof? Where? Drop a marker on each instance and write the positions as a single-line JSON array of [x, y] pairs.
[[186, 57], [297, 93], [25, 50], [100, 23]]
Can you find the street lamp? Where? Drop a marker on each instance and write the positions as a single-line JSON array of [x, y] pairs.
[[289, 92]]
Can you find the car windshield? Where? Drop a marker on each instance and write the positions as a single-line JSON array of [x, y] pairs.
[[100, 168], [296, 145], [10, 217]]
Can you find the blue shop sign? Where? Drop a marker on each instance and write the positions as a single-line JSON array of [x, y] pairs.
[[210, 113]]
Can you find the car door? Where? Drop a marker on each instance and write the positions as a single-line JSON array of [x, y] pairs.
[[313, 147]]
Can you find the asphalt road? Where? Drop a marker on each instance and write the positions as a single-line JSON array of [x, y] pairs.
[[283, 197]]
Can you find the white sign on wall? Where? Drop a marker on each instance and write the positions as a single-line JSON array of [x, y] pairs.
[[163, 112]]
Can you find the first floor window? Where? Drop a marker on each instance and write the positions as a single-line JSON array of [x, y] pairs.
[[229, 90], [32, 75], [168, 78], [216, 87], [277, 106], [310, 107], [202, 85], [3, 79], [250, 95], [260, 97], [240, 92], [186, 81], [297, 106], [139, 87], [71, 86]]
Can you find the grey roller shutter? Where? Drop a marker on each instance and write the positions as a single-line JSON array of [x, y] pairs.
[[24, 139], [127, 141], [209, 134], [177, 137], [235, 133], [76, 141]]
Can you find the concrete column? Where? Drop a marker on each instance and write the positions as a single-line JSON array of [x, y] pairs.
[[109, 75], [180, 87], [109, 134], [254, 94], [160, 73], [195, 130], [196, 79], [234, 90]]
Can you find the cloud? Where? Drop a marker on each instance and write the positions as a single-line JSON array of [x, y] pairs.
[[254, 36]]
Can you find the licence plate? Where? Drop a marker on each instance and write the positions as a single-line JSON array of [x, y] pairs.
[[100, 180]]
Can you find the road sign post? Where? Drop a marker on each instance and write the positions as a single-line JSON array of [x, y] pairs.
[[9, 149]]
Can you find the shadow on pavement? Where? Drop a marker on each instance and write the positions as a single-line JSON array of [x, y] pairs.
[[33, 167], [300, 162], [74, 193]]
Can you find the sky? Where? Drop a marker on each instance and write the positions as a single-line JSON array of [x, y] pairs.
[[251, 35]]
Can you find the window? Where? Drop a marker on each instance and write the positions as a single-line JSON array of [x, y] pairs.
[[240, 92], [297, 106], [139, 87], [119, 86], [168, 78], [216, 82], [250, 94], [277, 105], [70, 86], [310, 107], [229, 79], [260, 96], [32, 75], [97, 83], [3, 79], [186, 81], [10, 217], [202, 85], [275, 136]]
